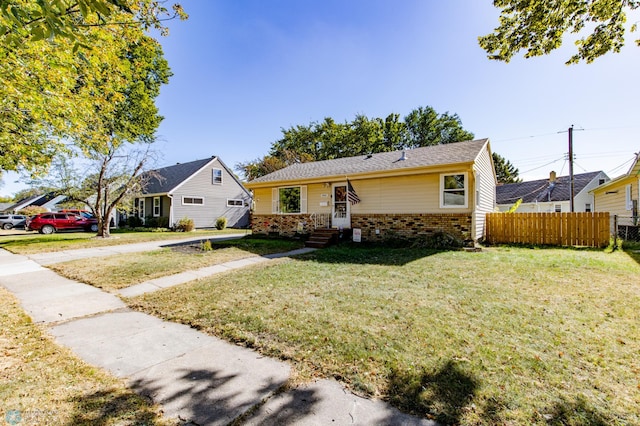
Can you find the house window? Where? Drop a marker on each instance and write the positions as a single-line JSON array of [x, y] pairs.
[[289, 199], [558, 208], [587, 207], [141, 208], [217, 176], [156, 206], [600, 181], [235, 202], [454, 190], [192, 201], [628, 198]]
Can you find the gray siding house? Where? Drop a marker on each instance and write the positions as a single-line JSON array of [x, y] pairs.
[[202, 190]]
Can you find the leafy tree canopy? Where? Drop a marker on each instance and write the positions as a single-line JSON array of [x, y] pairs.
[[538, 27], [54, 97], [327, 140], [28, 20], [505, 171]]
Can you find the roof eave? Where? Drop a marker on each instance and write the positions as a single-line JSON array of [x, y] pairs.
[[363, 175]]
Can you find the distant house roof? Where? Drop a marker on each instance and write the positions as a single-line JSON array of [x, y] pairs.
[[437, 155], [23, 203], [4, 206], [542, 190], [166, 179]]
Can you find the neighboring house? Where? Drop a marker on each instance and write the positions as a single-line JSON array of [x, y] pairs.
[[4, 207], [405, 193], [620, 196], [48, 201], [202, 190], [552, 195]]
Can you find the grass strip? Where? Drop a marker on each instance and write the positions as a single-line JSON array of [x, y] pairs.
[[505, 336], [120, 271], [32, 243], [43, 383]]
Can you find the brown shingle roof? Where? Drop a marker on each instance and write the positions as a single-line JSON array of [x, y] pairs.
[[430, 156]]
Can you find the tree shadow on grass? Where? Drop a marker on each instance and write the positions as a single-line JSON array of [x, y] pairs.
[[368, 254], [442, 395], [575, 412], [113, 406]]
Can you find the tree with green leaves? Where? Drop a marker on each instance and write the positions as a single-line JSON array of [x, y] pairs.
[[26, 20], [539, 26], [328, 139], [505, 171], [55, 89]]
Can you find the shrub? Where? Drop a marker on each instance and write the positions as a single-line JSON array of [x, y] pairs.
[[185, 225], [32, 210], [206, 245], [134, 222], [439, 240], [221, 223]]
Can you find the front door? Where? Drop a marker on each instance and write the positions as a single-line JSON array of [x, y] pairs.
[[340, 214]]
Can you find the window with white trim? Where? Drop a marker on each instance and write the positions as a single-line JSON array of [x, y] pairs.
[[156, 206], [453, 190], [192, 201], [235, 202], [558, 208], [628, 202], [289, 200], [587, 207], [216, 176]]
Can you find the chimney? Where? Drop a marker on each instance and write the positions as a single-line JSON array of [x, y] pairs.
[[552, 176]]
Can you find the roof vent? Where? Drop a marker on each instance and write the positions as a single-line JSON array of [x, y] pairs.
[[404, 155]]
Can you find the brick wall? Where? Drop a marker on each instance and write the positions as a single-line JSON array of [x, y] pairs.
[[285, 225], [411, 225], [390, 225]]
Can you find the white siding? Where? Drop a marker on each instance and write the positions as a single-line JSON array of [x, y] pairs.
[[484, 187], [215, 197]]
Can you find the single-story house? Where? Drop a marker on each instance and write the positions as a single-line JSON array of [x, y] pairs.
[[406, 193], [202, 190], [552, 195], [620, 196]]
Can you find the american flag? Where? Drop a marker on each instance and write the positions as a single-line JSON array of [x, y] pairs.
[[351, 194]]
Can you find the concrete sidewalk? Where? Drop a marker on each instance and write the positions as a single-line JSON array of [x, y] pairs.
[[197, 378]]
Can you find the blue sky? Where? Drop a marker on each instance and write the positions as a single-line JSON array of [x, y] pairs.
[[245, 69]]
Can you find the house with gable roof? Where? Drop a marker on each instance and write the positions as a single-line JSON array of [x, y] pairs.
[[621, 195], [551, 195], [202, 190], [406, 193]]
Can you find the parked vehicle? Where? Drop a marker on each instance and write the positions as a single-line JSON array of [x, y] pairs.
[[8, 221], [84, 213], [48, 223]]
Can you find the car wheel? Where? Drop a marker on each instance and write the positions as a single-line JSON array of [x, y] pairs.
[[47, 229], [7, 226], [94, 228]]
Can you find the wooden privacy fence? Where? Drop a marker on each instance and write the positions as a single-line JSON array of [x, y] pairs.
[[558, 229]]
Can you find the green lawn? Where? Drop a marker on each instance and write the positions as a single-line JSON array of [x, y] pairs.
[[33, 242], [48, 385], [120, 271], [504, 336]]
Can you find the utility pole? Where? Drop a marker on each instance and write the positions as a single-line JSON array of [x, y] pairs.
[[571, 167]]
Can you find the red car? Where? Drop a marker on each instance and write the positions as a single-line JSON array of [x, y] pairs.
[[48, 223]]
